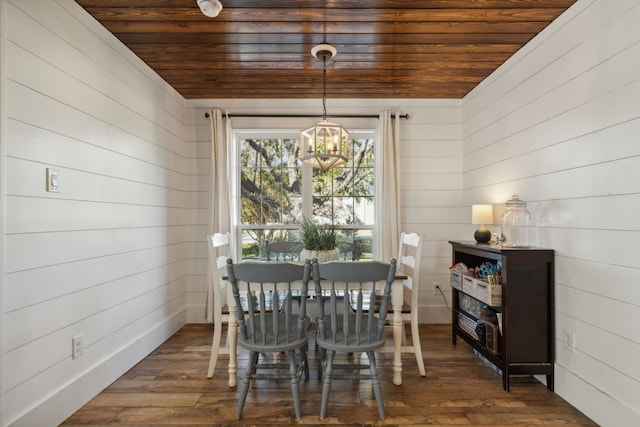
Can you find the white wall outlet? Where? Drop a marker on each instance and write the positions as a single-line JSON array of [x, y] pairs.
[[77, 346], [569, 340], [436, 288], [53, 180]]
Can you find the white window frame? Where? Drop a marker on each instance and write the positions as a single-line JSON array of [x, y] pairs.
[[307, 170]]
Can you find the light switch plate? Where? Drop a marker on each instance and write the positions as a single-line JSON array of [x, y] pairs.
[[53, 180]]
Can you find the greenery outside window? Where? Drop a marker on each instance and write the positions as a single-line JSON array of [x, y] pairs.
[[276, 191]]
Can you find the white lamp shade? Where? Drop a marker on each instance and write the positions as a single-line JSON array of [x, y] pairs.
[[482, 214]]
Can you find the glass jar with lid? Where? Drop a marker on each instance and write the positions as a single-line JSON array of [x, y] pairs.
[[515, 226]]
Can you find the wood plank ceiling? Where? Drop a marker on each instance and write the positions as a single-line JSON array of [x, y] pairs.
[[386, 48]]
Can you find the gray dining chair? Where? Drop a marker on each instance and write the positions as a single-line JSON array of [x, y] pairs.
[[263, 329], [283, 250], [351, 329]]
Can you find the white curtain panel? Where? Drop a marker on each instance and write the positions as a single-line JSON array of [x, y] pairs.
[[220, 214], [388, 196]]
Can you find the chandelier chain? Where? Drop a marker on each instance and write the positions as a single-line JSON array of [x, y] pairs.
[[324, 87]]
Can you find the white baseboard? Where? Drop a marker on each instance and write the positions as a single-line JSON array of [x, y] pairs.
[[68, 399], [196, 314]]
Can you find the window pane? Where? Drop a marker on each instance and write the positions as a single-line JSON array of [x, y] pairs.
[[362, 153], [343, 210], [254, 243], [322, 210], [293, 182], [294, 210], [323, 181], [270, 177], [363, 210], [356, 245]]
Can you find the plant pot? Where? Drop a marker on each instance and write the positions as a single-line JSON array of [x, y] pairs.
[[323, 256]]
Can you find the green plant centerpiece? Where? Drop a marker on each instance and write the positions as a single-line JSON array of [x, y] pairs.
[[318, 241]]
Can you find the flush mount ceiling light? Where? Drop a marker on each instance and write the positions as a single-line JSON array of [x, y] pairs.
[[210, 8], [327, 144]]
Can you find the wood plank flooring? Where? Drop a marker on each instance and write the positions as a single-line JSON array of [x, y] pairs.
[[170, 388]]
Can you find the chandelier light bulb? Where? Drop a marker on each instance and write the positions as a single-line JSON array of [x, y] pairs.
[[210, 8]]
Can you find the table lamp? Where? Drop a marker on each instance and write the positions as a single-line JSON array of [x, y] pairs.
[[482, 214]]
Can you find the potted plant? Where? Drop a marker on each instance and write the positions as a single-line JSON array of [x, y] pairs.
[[318, 241]]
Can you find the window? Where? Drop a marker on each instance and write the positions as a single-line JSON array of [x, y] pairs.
[[276, 190]]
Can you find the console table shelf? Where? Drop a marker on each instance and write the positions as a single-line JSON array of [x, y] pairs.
[[524, 344]]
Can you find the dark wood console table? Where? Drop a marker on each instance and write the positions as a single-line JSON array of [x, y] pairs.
[[523, 344]]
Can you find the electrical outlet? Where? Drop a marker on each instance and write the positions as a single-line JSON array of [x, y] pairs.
[[436, 288], [569, 340], [77, 346]]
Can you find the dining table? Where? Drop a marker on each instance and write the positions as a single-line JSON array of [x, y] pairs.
[[397, 300]]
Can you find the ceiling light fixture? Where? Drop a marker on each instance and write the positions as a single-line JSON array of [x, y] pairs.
[[210, 8], [327, 144]]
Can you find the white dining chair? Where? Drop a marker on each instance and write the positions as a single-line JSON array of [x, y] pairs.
[[218, 248], [409, 256]]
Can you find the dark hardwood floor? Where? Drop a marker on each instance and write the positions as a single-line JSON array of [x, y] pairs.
[[170, 387]]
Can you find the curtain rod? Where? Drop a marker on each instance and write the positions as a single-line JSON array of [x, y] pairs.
[[347, 116]]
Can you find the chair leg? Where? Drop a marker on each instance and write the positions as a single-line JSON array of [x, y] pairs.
[[375, 382], [304, 362], [415, 338], [322, 358], [215, 349], [404, 334], [326, 386], [244, 385], [295, 383]]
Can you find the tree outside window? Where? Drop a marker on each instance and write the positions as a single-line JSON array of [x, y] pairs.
[[273, 203]]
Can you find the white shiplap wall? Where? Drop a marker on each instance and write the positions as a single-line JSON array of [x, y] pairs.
[[431, 164], [2, 192], [558, 124], [118, 254], [108, 256]]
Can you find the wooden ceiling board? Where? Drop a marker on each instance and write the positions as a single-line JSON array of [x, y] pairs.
[[386, 48]]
